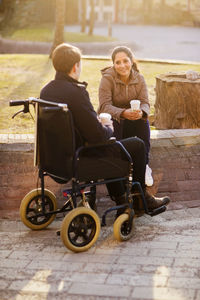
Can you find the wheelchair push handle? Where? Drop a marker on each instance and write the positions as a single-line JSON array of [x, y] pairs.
[[18, 103]]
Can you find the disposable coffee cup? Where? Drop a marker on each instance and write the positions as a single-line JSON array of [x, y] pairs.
[[104, 117], [192, 75], [135, 104]]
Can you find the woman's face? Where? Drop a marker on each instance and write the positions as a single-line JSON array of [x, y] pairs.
[[122, 64]]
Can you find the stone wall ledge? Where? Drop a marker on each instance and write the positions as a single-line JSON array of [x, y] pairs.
[[174, 159], [175, 137]]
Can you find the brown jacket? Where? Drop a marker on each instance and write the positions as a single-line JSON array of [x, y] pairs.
[[115, 95]]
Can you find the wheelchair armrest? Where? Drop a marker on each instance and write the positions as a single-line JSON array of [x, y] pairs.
[[108, 143], [111, 141]]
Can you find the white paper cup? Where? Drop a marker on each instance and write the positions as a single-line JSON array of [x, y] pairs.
[[192, 75], [104, 117], [135, 104]]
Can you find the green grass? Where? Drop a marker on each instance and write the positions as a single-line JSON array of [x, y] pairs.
[[46, 34], [23, 76]]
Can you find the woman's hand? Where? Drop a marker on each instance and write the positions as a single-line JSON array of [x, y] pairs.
[[132, 115]]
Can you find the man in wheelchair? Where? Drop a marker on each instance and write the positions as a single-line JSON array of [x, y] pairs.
[[66, 88]]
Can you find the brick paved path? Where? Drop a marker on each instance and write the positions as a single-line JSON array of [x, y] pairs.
[[160, 262]]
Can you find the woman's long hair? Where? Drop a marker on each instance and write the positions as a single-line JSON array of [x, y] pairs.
[[128, 52]]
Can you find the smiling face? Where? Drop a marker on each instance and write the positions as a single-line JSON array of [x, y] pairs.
[[122, 65]]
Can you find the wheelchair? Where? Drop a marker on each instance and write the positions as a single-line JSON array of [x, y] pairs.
[[56, 156]]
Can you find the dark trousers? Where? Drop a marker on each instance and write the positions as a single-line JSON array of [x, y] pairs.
[[136, 149], [138, 128]]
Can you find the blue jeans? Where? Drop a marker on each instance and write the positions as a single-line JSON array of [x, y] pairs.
[[138, 128]]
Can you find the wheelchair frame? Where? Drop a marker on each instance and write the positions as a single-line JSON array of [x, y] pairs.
[[85, 219]]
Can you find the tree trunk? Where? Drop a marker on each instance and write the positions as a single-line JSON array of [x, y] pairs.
[[59, 24], [177, 102], [83, 15], [92, 15], [8, 12], [116, 11], [189, 5]]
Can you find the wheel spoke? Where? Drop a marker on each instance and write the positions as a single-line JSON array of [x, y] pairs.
[[85, 237], [30, 209], [90, 225], [75, 237], [33, 219], [72, 228]]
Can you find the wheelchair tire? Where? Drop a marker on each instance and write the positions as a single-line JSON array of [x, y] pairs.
[[121, 229], [80, 229], [31, 206]]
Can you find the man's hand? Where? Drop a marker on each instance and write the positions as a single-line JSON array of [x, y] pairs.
[[132, 115], [106, 122]]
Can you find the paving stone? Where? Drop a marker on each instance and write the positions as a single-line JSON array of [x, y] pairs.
[[173, 253], [190, 262], [198, 295], [98, 268], [126, 269], [171, 271], [156, 244], [4, 284], [192, 283], [45, 287], [55, 265], [167, 261], [136, 280], [188, 246], [34, 254], [9, 263], [5, 253], [95, 258], [99, 278], [99, 290], [161, 293]]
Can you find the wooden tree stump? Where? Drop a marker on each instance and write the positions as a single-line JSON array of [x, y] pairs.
[[177, 102]]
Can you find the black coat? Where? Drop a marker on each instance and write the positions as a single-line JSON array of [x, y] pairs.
[[65, 89]]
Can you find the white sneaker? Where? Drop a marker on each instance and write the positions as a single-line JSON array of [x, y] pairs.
[[148, 176]]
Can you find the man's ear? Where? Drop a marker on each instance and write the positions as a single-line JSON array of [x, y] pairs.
[[74, 68]]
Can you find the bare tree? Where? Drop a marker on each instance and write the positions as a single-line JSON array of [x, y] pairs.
[[162, 4], [189, 5], [83, 15], [59, 24], [92, 16], [8, 12]]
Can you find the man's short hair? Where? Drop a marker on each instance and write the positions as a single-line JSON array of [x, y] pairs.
[[64, 57]]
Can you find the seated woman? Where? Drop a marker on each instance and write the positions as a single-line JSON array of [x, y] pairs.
[[120, 84]]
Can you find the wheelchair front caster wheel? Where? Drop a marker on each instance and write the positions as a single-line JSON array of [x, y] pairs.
[[122, 228], [32, 209], [80, 229]]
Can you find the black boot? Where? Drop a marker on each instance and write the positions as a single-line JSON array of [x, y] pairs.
[[153, 202]]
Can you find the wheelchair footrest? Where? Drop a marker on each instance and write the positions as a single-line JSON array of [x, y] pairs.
[[157, 211]]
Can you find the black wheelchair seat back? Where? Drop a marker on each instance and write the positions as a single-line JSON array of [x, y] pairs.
[[55, 142]]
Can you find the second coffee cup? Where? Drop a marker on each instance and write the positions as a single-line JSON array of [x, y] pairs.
[[135, 104], [104, 117]]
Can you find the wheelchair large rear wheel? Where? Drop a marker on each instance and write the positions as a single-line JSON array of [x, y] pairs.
[[122, 228], [31, 209], [80, 229]]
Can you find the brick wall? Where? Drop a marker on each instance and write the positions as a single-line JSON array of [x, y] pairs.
[[175, 162]]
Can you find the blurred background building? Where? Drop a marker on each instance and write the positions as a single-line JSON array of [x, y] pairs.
[[181, 12]]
